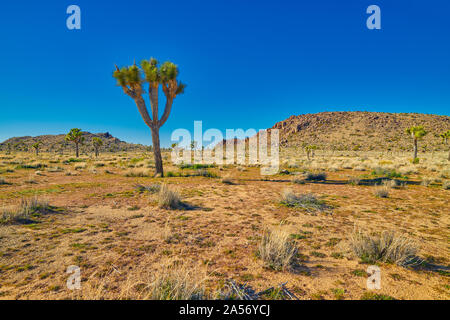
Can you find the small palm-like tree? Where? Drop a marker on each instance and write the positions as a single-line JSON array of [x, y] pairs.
[[310, 149], [416, 133], [36, 147], [132, 80], [76, 136], [97, 143], [445, 136]]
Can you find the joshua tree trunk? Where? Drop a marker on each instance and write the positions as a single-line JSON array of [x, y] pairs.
[[415, 149], [448, 155], [37, 151], [157, 152], [76, 150], [96, 152]]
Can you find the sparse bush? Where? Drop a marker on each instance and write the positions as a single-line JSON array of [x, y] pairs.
[[168, 199], [306, 201], [137, 173], [384, 247], [171, 283], [26, 209], [426, 181], [316, 176], [277, 250], [153, 188], [3, 181], [354, 181], [446, 185], [382, 191], [298, 181], [227, 181]]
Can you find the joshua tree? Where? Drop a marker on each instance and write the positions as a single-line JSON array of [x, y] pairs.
[[97, 143], [309, 149], [445, 136], [75, 135], [416, 133], [36, 147], [132, 80]]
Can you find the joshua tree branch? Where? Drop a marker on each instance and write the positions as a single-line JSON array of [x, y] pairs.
[[140, 103]]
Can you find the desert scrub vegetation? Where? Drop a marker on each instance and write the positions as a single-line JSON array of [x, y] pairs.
[[382, 190], [384, 247], [137, 173], [169, 199], [316, 176], [153, 188], [277, 250], [170, 283], [3, 181], [308, 201], [445, 185], [26, 209]]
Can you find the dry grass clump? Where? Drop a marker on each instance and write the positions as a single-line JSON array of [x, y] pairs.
[[385, 247], [298, 181], [354, 181], [427, 181], [137, 173], [168, 199], [306, 201], [277, 250], [446, 185], [170, 283], [80, 166], [3, 181], [153, 188], [316, 176], [382, 191], [23, 211]]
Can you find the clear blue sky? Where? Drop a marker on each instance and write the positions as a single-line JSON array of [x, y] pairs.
[[248, 64]]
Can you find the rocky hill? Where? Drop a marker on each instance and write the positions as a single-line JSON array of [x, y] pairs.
[[363, 131], [57, 143]]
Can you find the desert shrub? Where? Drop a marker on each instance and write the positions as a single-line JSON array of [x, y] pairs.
[[196, 166], [31, 166], [382, 190], [137, 173], [168, 199], [306, 201], [388, 173], [277, 250], [316, 176], [376, 296], [153, 188], [171, 283], [298, 181], [70, 160], [227, 181], [385, 247], [3, 181], [426, 181], [26, 209], [80, 166], [354, 181], [446, 185]]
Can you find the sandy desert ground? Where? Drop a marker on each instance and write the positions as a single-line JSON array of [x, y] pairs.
[[104, 216]]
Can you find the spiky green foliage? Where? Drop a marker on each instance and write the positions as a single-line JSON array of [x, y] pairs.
[[97, 142], [416, 132], [132, 79], [445, 136], [76, 136]]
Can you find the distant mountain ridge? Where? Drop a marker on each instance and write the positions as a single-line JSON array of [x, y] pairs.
[[360, 130], [57, 143]]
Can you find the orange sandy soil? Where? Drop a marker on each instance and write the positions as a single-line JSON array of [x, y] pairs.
[[108, 228]]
